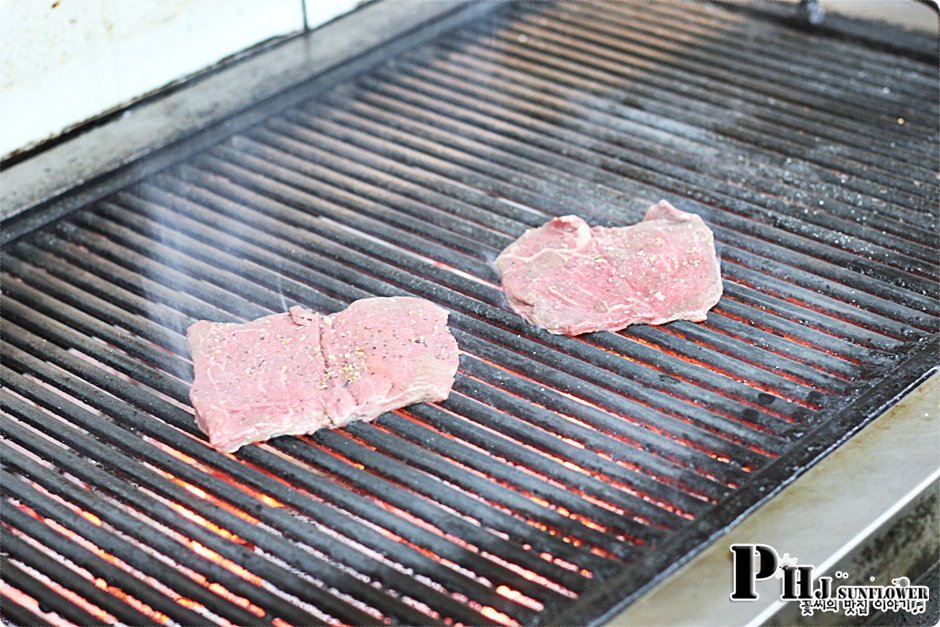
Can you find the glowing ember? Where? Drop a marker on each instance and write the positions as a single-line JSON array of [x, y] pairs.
[[225, 563], [193, 605], [175, 453], [203, 495], [71, 535], [596, 550], [587, 522], [21, 598], [25, 600], [267, 500], [497, 616], [100, 583], [535, 577], [242, 602], [202, 522], [195, 490], [141, 607], [91, 518], [518, 597]]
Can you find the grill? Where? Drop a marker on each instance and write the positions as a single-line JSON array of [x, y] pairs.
[[563, 475]]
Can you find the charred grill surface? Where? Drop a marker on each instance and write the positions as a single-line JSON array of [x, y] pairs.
[[558, 465]]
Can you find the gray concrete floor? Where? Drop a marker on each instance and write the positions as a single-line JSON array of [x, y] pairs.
[[931, 579]]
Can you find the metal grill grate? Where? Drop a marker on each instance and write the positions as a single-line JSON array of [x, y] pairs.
[[558, 463]]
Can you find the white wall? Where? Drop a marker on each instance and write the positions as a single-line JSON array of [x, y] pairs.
[[64, 62]]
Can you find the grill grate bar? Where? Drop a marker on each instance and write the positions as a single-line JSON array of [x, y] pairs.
[[595, 432], [113, 545], [530, 82], [299, 196], [482, 491], [581, 406], [22, 552], [601, 84], [129, 366], [138, 375], [846, 342], [299, 199], [293, 199], [207, 234], [800, 268], [494, 158], [303, 272], [762, 248], [459, 611], [558, 466], [779, 91], [233, 523], [870, 320], [180, 394], [281, 470], [832, 53], [504, 537], [468, 102], [418, 482], [903, 272], [48, 600], [643, 41], [864, 73], [616, 122], [10, 608], [178, 551], [289, 554], [493, 297], [394, 435], [98, 562], [524, 350], [517, 454], [545, 100]]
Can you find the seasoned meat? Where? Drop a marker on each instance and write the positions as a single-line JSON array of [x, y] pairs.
[[296, 372], [570, 278]]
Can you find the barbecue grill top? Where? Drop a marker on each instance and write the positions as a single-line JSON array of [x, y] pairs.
[[558, 464]]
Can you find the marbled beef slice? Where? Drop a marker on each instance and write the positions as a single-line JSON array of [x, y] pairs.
[[570, 278], [296, 372]]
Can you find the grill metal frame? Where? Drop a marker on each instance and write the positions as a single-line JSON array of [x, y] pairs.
[[379, 135]]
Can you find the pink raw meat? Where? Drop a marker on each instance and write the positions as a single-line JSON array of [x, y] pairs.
[[570, 278], [296, 372]]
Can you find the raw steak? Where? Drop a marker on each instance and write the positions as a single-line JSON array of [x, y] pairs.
[[296, 372], [570, 278]]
